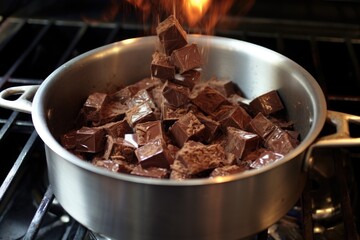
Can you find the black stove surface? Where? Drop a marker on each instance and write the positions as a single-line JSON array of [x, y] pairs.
[[322, 36]]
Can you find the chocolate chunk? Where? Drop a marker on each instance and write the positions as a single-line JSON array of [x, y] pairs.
[[140, 98], [141, 113], [227, 170], [91, 140], [148, 131], [212, 128], [110, 112], [175, 95], [68, 140], [123, 94], [93, 105], [267, 103], [188, 127], [197, 157], [240, 142], [154, 154], [171, 35], [147, 84], [179, 171], [152, 172], [208, 100], [280, 141], [187, 79], [119, 149], [117, 129], [261, 125], [265, 158], [132, 138], [115, 165], [233, 116], [161, 67], [225, 87], [171, 113], [186, 58]]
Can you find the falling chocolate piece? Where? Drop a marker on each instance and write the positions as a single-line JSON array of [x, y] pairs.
[[154, 154], [91, 140], [161, 67], [188, 127], [171, 35], [267, 103], [175, 95], [186, 58]]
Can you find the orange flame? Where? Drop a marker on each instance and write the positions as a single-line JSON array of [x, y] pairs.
[[195, 10], [201, 16]]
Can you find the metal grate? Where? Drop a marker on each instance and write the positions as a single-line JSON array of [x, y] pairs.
[[30, 49]]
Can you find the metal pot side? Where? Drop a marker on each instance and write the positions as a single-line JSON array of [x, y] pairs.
[[128, 207]]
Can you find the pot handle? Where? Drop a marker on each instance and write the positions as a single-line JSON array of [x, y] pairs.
[[23, 103], [341, 138]]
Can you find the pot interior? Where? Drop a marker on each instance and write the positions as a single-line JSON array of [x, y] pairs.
[[254, 69]]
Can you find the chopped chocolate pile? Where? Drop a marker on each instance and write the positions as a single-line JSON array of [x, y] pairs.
[[172, 125]]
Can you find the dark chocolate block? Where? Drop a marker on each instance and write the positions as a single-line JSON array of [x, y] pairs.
[[140, 98], [187, 79], [154, 154], [90, 140], [161, 67], [225, 87], [188, 127], [68, 140], [146, 84], [265, 158], [171, 35], [261, 125], [240, 142], [152, 172], [148, 131], [141, 113], [117, 129], [175, 95], [208, 100], [171, 113], [114, 165], [227, 170], [232, 116], [197, 157], [119, 149], [186, 58], [212, 128], [112, 111], [267, 103], [93, 105], [280, 141]]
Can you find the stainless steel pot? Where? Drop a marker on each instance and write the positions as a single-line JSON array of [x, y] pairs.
[[128, 207]]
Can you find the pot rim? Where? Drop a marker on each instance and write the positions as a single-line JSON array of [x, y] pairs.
[[39, 116]]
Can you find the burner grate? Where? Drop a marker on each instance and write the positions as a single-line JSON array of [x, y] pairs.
[[30, 49]]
